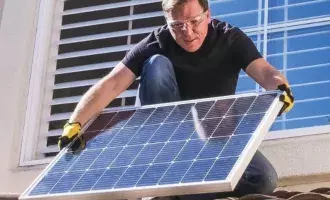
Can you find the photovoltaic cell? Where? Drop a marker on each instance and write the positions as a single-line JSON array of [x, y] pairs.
[[148, 154], [153, 174], [181, 143], [159, 115], [131, 176], [109, 178], [164, 132], [213, 147], [175, 173], [100, 122], [87, 180], [198, 171], [202, 109], [144, 134], [107, 156], [190, 150], [221, 169], [103, 139], [184, 131]]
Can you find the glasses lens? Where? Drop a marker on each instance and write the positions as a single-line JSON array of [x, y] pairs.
[[193, 22]]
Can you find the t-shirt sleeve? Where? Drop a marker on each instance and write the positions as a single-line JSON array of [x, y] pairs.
[[243, 50], [135, 57]]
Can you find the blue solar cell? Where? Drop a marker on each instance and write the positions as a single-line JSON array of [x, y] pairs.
[[46, 184], [85, 159], [235, 145], [262, 103], [109, 178], [175, 173], [148, 154], [184, 131], [241, 105], [131, 176], [144, 134], [190, 150], [179, 113], [202, 109], [227, 126], [153, 174], [249, 124], [139, 117], [209, 125], [67, 182], [103, 139], [106, 158], [198, 171], [221, 169], [126, 156], [213, 147], [123, 137], [120, 119], [220, 108], [169, 152], [64, 162], [100, 122], [88, 180], [159, 115], [164, 132]]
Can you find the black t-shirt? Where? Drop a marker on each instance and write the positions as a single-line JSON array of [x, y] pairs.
[[210, 71]]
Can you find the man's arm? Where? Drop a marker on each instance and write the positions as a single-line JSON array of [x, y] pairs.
[[265, 75], [102, 93], [271, 79]]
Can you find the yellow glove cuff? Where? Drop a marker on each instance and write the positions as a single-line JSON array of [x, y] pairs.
[[71, 130], [287, 98]]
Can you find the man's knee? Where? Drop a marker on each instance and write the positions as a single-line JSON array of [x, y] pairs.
[[158, 82], [158, 67], [260, 177]]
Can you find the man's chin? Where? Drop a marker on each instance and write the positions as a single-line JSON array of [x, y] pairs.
[[190, 48]]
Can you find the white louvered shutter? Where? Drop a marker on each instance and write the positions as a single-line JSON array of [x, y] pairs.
[[95, 35]]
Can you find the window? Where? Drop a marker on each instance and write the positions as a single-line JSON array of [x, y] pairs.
[[88, 37]]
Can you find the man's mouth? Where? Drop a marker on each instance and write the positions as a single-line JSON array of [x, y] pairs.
[[189, 40]]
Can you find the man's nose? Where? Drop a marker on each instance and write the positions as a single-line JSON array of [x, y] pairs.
[[187, 30]]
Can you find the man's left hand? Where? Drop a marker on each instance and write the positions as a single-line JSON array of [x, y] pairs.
[[287, 98]]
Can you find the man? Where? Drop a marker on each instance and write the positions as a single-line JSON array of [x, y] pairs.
[[191, 57]]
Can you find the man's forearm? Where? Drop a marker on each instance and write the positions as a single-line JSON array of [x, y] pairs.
[[274, 78], [102, 93], [93, 101]]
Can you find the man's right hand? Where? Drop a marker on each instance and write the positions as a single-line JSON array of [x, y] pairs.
[[70, 132]]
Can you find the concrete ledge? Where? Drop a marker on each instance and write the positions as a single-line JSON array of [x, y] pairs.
[[300, 160]]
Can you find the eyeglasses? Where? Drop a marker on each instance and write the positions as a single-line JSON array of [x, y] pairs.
[[192, 22]]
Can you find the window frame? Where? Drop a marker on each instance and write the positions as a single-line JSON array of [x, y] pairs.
[[45, 52]]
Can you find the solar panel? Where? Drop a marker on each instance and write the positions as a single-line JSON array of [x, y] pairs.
[[159, 150]]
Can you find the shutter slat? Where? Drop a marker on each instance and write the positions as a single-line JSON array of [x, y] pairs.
[[50, 149], [66, 116], [76, 99], [74, 84], [108, 35], [56, 132], [83, 68], [95, 51], [108, 6], [112, 20]]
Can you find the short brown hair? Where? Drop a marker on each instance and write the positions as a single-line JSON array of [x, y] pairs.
[[169, 5]]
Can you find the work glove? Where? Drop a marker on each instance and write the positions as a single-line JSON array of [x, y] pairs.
[[287, 98], [70, 132]]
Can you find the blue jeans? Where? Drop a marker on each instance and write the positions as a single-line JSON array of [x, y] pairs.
[[158, 85]]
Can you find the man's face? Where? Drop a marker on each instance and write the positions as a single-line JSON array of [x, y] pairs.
[[188, 25]]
